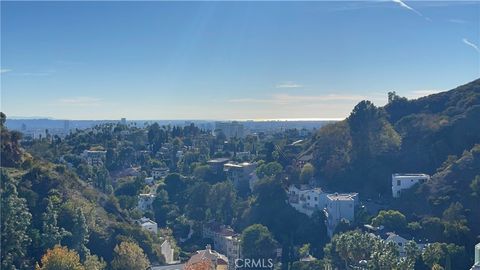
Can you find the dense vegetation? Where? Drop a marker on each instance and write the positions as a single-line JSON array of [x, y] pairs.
[[60, 212]]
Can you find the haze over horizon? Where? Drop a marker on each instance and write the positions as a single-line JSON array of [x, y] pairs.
[[230, 60]]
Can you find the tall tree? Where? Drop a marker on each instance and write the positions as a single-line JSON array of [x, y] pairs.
[[15, 223], [52, 234], [80, 234]]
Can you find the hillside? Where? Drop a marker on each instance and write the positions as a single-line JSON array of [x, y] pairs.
[[361, 152]]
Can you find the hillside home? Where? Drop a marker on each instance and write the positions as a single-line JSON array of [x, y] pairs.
[[148, 225], [225, 240], [145, 201], [207, 259], [402, 181]]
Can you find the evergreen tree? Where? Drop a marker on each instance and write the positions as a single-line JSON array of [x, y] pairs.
[[80, 235], [52, 234], [15, 223]]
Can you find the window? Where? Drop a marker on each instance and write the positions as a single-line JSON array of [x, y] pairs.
[[398, 182], [315, 198]]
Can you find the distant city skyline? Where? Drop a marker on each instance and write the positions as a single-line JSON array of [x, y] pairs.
[[229, 60]]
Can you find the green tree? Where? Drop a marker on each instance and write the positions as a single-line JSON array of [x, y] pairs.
[[93, 262], [80, 234], [258, 242], [475, 186], [15, 221], [52, 234], [391, 219], [269, 169], [307, 173], [129, 256], [222, 201]]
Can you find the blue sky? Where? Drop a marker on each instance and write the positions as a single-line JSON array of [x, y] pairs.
[[229, 60]]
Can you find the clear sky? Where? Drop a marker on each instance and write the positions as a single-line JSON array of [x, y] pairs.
[[229, 60]]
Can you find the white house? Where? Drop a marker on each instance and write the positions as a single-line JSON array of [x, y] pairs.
[[148, 224], [167, 251], [148, 180], [476, 263], [402, 181], [94, 157], [225, 240], [306, 200], [340, 207], [401, 243], [145, 201]]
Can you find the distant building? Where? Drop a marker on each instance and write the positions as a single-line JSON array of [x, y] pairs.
[[402, 181], [158, 173], [167, 251], [123, 121], [225, 240], [148, 224], [303, 159], [230, 129], [401, 242], [216, 165], [145, 201], [94, 157], [66, 126], [207, 259], [306, 200], [476, 263], [149, 180], [240, 173], [340, 207]]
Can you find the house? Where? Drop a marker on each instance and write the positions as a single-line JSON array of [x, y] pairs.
[[401, 242], [158, 173], [148, 180], [303, 159], [94, 157], [476, 263], [402, 181], [306, 200], [240, 173], [216, 165], [145, 201], [340, 207], [148, 224], [207, 259], [225, 240], [167, 250]]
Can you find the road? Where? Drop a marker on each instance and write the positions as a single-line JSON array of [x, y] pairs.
[[168, 267]]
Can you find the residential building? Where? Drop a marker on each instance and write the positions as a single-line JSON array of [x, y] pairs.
[[232, 129], [306, 200], [402, 181], [303, 159], [158, 173], [401, 242], [94, 157], [148, 180], [216, 165], [225, 240], [148, 224], [207, 259], [240, 173], [145, 201], [167, 250], [340, 207], [476, 263]]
